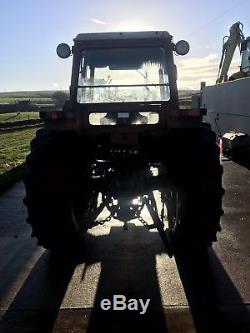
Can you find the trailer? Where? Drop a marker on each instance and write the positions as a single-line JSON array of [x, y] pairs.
[[227, 102]]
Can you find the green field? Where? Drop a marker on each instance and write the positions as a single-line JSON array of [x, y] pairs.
[[14, 147], [35, 100], [35, 97], [18, 116], [185, 102]]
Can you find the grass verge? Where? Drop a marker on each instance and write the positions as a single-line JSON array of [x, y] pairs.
[[10, 177], [18, 116], [14, 147]]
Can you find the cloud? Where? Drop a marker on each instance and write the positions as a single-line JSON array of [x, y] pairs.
[[194, 70], [97, 21]]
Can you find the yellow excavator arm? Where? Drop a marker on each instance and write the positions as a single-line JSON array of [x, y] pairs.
[[230, 44]]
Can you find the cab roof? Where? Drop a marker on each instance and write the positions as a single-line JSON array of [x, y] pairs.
[[157, 35]]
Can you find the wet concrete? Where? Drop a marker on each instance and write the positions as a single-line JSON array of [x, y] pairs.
[[39, 293]]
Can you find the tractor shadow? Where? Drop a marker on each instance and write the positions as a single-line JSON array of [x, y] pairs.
[[215, 303], [35, 307], [128, 267]]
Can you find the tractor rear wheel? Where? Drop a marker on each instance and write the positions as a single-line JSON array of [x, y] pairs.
[[195, 206], [56, 182]]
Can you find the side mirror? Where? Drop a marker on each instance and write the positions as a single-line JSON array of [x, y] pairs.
[[63, 50], [182, 47]]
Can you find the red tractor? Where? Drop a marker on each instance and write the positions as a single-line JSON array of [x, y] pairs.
[[120, 137]]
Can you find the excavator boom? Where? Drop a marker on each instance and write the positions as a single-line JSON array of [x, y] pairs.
[[235, 39]]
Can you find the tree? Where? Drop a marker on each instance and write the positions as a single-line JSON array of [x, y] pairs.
[[59, 97]]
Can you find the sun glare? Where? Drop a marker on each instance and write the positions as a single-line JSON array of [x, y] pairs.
[[137, 25]]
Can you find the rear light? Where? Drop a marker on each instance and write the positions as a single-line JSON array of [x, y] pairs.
[[53, 115]]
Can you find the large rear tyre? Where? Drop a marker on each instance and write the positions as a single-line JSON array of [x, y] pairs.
[[56, 186], [195, 206]]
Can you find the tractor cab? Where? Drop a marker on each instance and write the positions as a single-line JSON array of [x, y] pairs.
[[245, 51], [126, 78]]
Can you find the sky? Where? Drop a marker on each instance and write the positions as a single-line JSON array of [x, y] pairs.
[[32, 29]]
